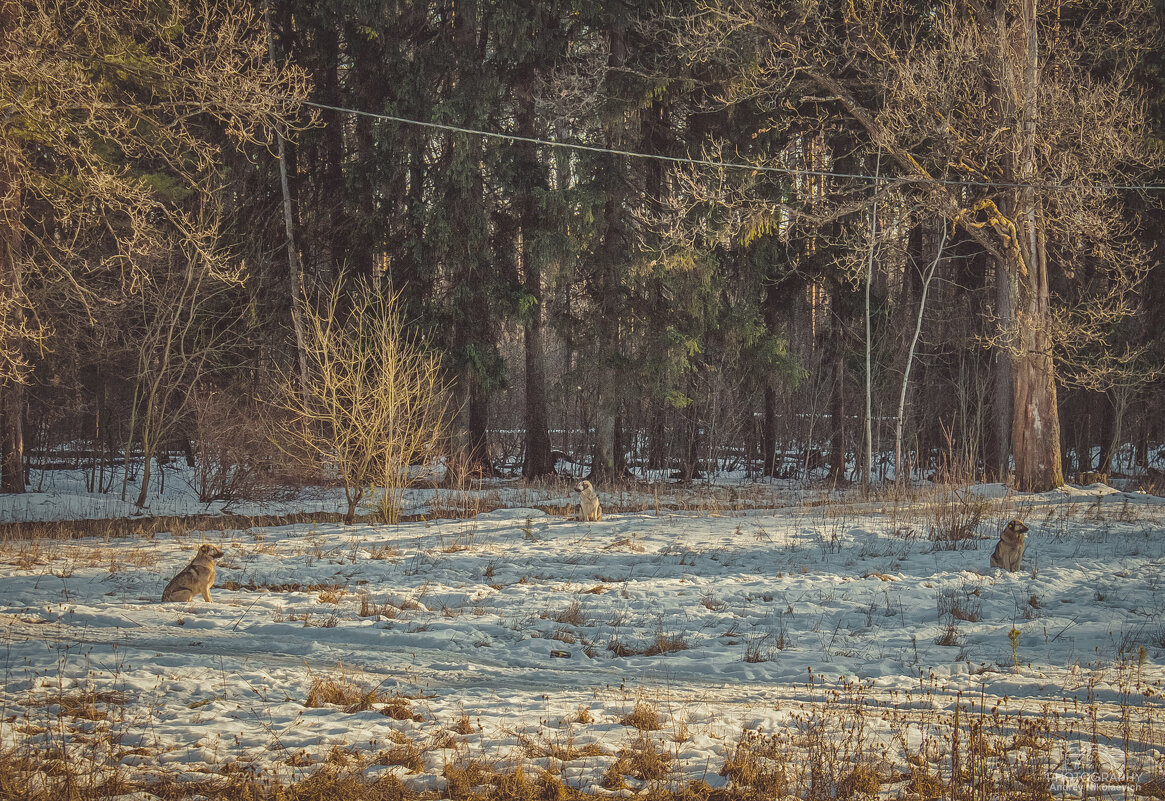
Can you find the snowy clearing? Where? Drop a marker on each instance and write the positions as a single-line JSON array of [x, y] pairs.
[[700, 634]]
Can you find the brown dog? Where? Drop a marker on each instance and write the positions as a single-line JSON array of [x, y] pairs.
[[588, 502], [1009, 551], [196, 578]]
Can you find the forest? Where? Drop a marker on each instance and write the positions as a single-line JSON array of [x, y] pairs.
[[854, 240]]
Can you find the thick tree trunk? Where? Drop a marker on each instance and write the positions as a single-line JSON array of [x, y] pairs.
[[1035, 439], [690, 441], [999, 457], [477, 431], [538, 461], [657, 440], [769, 433], [1036, 434], [603, 453], [610, 257], [1036, 430], [12, 425], [333, 191], [11, 325]]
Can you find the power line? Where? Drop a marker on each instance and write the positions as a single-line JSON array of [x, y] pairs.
[[701, 162], [685, 160]]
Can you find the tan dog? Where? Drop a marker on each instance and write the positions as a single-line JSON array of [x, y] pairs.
[[588, 502], [196, 578], [1009, 551]]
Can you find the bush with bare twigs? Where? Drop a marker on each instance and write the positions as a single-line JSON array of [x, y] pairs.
[[374, 402]]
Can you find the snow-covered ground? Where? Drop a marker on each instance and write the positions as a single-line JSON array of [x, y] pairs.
[[519, 637]]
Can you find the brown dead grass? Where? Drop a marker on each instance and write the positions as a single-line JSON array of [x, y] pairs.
[[643, 717], [353, 695]]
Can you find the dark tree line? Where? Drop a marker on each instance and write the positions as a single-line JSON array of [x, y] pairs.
[[957, 179]]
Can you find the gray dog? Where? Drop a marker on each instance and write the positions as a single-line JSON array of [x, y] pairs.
[[1009, 550], [196, 578]]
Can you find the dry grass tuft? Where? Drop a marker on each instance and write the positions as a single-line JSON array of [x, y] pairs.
[[465, 774], [863, 781], [369, 608], [403, 752], [572, 615], [663, 643], [354, 696], [87, 705], [961, 604], [643, 759], [757, 767], [330, 691], [332, 596], [462, 725], [643, 717], [666, 644], [399, 707], [955, 517]]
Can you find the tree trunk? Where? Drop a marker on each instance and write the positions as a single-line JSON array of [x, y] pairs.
[[868, 462], [1107, 434], [12, 424], [690, 440], [899, 462], [999, 464], [610, 257], [837, 413], [144, 488], [538, 461], [295, 268], [657, 440], [769, 433], [603, 453], [11, 325], [1035, 437], [478, 430]]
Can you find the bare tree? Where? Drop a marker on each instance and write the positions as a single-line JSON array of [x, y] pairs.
[[376, 400], [927, 277], [1010, 122], [185, 323], [113, 118]]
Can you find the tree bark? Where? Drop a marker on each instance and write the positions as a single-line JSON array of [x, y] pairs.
[[11, 326], [478, 430], [538, 462], [294, 267], [603, 453], [1035, 440], [611, 255], [769, 433], [999, 462], [837, 413], [12, 423]]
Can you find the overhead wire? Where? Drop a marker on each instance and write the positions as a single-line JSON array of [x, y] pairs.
[[691, 160], [732, 165]]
